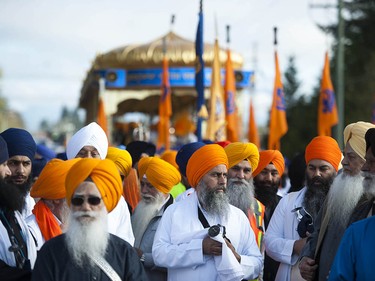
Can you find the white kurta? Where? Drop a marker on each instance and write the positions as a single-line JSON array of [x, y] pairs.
[[29, 206], [119, 222], [5, 254], [282, 233], [185, 260]]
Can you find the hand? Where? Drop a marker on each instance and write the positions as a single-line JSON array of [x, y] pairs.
[[307, 268], [298, 245], [230, 246], [211, 247]]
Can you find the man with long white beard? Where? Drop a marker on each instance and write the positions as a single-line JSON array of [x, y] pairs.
[[344, 194], [296, 212], [157, 179], [87, 251], [203, 237]]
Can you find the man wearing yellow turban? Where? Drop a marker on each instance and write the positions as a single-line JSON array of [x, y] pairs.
[[50, 212], [157, 179], [87, 250], [294, 217], [182, 243], [243, 159], [343, 197]]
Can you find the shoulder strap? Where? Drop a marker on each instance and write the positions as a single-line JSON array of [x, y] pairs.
[[106, 268], [202, 218]]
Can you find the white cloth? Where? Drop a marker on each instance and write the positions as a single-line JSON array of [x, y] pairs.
[[185, 260], [282, 233], [5, 254], [29, 206], [92, 135], [119, 222], [185, 194], [35, 231]]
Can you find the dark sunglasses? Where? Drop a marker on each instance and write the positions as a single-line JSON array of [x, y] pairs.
[[93, 200]]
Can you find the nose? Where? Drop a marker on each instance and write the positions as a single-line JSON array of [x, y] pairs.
[[240, 174]]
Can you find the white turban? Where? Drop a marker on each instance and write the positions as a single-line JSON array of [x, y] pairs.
[[90, 135]]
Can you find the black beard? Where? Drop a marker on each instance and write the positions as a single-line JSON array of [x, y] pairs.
[[25, 187], [12, 197], [267, 195]]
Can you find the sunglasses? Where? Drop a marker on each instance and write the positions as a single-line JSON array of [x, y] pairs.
[[93, 200]]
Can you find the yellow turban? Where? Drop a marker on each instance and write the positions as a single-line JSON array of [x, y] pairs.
[[203, 160], [355, 134], [324, 148], [103, 173], [239, 151], [51, 181], [162, 175], [170, 157], [121, 158], [270, 156]]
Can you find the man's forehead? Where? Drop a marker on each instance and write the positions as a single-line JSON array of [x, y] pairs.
[[19, 158], [218, 168], [87, 187], [319, 163], [243, 164], [89, 148], [270, 167]]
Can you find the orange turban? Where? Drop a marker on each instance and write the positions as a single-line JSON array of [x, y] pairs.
[[121, 158], [203, 160], [103, 173], [268, 156], [162, 175], [170, 157], [239, 151], [51, 181], [324, 148]]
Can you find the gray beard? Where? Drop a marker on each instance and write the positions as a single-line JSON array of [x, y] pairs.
[[342, 198], [241, 194], [88, 239], [214, 203], [369, 184]]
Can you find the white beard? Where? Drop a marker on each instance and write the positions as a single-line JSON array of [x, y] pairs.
[[343, 196], [143, 214], [86, 239], [241, 195]]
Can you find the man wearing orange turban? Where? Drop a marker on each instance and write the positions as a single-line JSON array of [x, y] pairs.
[[295, 215], [87, 250], [50, 212], [182, 243], [157, 179], [243, 159]]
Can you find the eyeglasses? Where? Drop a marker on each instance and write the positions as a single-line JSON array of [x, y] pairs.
[[92, 200]]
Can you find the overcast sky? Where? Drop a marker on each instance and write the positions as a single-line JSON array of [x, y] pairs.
[[47, 46]]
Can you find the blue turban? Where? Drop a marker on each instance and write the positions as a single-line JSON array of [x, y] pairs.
[[4, 156], [45, 151], [184, 154], [136, 148], [19, 142]]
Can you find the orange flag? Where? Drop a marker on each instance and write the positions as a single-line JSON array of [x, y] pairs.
[[327, 110], [102, 117], [253, 135], [278, 123], [230, 101], [216, 121], [165, 108]]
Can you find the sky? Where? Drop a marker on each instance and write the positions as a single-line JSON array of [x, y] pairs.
[[47, 46]]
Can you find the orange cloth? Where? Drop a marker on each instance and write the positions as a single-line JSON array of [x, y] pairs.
[[203, 160], [268, 156], [256, 222], [324, 148], [239, 151], [51, 181], [131, 191], [170, 157], [121, 158], [162, 175], [103, 173], [47, 222]]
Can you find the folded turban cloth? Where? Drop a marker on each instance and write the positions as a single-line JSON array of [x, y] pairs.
[[184, 154], [170, 157], [19, 142], [90, 135], [270, 156], [324, 148], [370, 140], [136, 148], [45, 152], [162, 175], [121, 158], [103, 173], [354, 134], [239, 151], [4, 156], [51, 181], [203, 160]]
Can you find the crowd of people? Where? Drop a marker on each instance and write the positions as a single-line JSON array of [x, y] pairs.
[[207, 211]]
